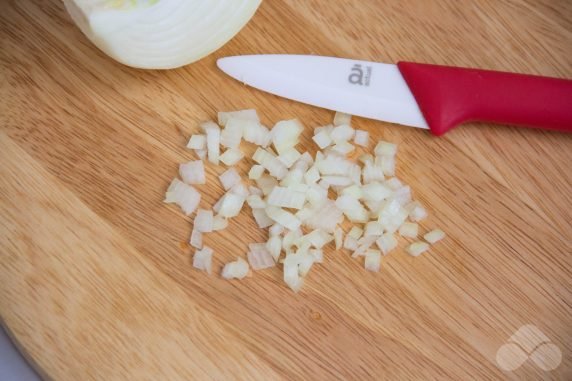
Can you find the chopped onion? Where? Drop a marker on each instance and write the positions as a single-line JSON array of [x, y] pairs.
[[219, 223], [196, 239], [364, 244], [231, 156], [250, 115], [291, 238], [325, 216], [269, 161], [372, 173], [289, 157], [255, 172], [417, 248], [342, 133], [213, 140], [403, 195], [354, 191], [434, 236], [201, 153], [338, 237], [257, 134], [284, 218], [318, 238], [352, 208], [252, 190], [231, 205], [276, 229], [342, 118], [202, 259], [416, 211], [356, 232], [343, 147], [388, 165], [361, 138], [255, 202], [317, 255], [393, 183], [261, 218], [373, 228], [235, 270], [409, 229], [204, 221], [385, 149], [183, 195], [322, 139], [285, 134], [266, 184], [386, 243], [372, 260], [291, 274], [312, 175], [193, 172], [197, 142], [286, 198], [350, 243], [274, 246], [231, 135], [259, 257], [337, 180], [375, 191], [229, 178]]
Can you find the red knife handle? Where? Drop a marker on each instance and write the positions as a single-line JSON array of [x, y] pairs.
[[449, 96]]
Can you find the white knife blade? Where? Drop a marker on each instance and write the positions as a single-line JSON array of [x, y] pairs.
[[368, 89]]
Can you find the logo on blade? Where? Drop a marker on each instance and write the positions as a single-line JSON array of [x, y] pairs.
[[529, 342], [359, 76]]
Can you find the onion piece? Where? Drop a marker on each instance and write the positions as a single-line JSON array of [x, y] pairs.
[[274, 247], [219, 223], [342, 118], [372, 173], [343, 148], [252, 190], [289, 157], [229, 178], [240, 189], [256, 133], [250, 115], [322, 139], [235, 270], [284, 218], [352, 209], [325, 216], [312, 175], [291, 274], [361, 138], [196, 239], [386, 243], [317, 255], [231, 156], [261, 218], [255, 202], [259, 257], [356, 232], [231, 205], [342, 133], [388, 165], [375, 191], [417, 248], [269, 161], [337, 180], [350, 243], [197, 142], [276, 229], [373, 228], [317, 238], [385, 149], [193, 172], [212, 131], [255, 172], [338, 237], [231, 135], [372, 260], [409, 229], [285, 134], [201, 153], [286, 198], [202, 259], [364, 244], [416, 211], [354, 191], [204, 221], [434, 236], [266, 184], [183, 195]]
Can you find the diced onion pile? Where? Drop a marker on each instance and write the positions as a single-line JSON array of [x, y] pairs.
[[302, 200]]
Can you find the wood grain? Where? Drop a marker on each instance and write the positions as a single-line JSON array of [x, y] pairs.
[[94, 282]]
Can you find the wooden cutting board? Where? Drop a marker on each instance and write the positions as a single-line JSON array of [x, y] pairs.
[[95, 278]]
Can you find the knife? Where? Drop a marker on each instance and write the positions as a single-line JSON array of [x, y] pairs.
[[433, 97]]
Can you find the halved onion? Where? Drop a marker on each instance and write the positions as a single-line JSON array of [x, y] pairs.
[[160, 34]]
